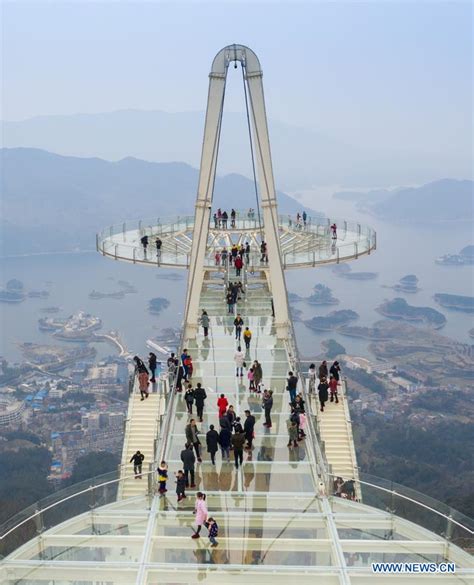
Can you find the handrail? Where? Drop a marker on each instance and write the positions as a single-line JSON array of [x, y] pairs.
[[403, 496], [101, 485], [62, 500], [187, 222], [314, 248], [318, 450], [165, 428]]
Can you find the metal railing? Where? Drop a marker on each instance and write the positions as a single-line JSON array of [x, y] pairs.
[[412, 505], [122, 242], [59, 507], [84, 497]]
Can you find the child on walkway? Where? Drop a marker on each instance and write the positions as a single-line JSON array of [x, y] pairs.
[[213, 528], [189, 398], [200, 509], [180, 485], [302, 425], [250, 377], [163, 477], [333, 389], [292, 434]]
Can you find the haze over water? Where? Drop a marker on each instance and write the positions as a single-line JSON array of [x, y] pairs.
[[402, 249]]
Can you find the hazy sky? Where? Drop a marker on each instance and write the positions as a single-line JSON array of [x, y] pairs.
[[375, 73]]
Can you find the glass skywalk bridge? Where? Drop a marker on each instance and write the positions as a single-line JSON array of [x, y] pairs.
[[277, 519], [279, 522]]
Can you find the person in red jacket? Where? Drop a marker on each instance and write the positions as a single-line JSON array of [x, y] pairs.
[[238, 265], [222, 403], [188, 364], [333, 389]]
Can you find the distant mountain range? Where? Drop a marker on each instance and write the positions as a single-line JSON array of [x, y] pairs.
[[302, 157], [52, 202], [444, 200]]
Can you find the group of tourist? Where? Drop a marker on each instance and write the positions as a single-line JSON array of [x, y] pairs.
[[235, 256], [229, 433], [221, 218], [181, 370], [344, 489], [145, 241], [301, 221], [143, 374], [201, 512], [233, 293], [328, 381]]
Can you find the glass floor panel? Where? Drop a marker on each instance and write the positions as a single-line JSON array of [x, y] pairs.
[[257, 551], [237, 501], [279, 424], [241, 400], [226, 369], [260, 451], [210, 574]]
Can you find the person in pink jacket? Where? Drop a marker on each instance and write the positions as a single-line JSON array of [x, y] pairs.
[[200, 509]]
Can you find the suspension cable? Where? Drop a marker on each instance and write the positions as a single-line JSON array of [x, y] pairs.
[[251, 152]]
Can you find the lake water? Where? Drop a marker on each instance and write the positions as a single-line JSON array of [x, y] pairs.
[[402, 249]]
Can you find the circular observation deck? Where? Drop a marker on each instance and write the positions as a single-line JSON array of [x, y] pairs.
[[302, 245]]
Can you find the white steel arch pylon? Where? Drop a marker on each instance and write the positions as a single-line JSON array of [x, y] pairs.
[[215, 105]]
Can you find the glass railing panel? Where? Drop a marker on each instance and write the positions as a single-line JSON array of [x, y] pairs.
[[362, 558], [217, 575], [256, 551], [52, 575], [27, 528], [238, 525], [348, 531], [377, 579], [95, 553]]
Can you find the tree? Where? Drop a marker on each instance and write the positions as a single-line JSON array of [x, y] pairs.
[[92, 464]]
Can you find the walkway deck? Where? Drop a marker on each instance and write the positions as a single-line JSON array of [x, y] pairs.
[[140, 434], [336, 431]]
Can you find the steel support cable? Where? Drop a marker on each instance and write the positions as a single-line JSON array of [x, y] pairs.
[[251, 150], [212, 177]]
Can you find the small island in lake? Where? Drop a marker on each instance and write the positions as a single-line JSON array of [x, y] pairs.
[[407, 284], [294, 298], [399, 309], [322, 295], [119, 294], [77, 327], [38, 294], [456, 302], [332, 349], [332, 320], [157, 305], [13, 292], [465, 256], [296, 313], [345, 271], [127, 287], [170, 276], [50, 310]]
